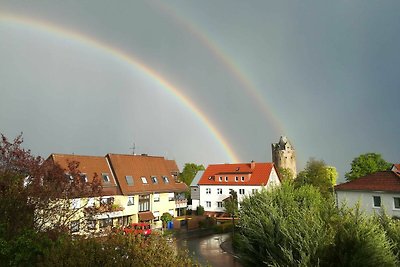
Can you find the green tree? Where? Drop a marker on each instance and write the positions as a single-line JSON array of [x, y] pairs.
[[165, 218], [366, 164], [189, 172], [286, 174], [316, 173], [231, 206]]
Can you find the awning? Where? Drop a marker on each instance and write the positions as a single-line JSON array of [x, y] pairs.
[[146, 216]]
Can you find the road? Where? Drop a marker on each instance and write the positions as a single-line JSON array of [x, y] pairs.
[[207, 250]]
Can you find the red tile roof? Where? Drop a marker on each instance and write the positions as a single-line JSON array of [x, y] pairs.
[[259, 175], [396, 167], [89, 165], [139, 166], [379, 181]]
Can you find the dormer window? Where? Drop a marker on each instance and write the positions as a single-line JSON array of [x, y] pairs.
[[242, 179], [144, 180], [105, 177], [236, 178], [83, 178], [220, 179], [165, 178], [129, 180], [154, 179], [226, 178]]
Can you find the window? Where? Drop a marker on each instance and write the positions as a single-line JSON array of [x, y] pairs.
[[241, 191], [208, 191], [83, 178], [242, 179], [156, 216], [220, 179], [107, 201], [105, 222], [219, 204], [144, 180], [396, 201], [74, 226], [144, 203], [165, 178], [75, 203], [377, 201], [226, 178], [129, 180], [208, 204], [236, 178], [154, 179], [106, 178], [171, 196], [219, 191], [171, 211], [156, 197], [91, 224], [90, 202], [131, 200], [253, 191]]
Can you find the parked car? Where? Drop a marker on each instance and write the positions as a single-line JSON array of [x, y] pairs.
[[138, 229]]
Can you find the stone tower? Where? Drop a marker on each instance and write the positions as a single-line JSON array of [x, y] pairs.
[[284, 155]]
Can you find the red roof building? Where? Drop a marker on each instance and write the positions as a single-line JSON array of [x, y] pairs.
[[374, 192], [218, 180]]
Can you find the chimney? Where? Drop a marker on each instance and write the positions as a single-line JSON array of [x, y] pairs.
[[252, 164]]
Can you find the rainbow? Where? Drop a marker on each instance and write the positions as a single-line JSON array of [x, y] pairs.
[[226, 60], [130, 60]]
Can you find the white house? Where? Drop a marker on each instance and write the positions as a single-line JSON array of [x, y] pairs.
[[374, 192], [218, 180]]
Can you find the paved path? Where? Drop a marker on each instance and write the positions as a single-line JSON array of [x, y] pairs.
[[207, 250]]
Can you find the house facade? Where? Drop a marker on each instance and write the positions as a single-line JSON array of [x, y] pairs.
[[374, 193], [217, 181], [136, 188]]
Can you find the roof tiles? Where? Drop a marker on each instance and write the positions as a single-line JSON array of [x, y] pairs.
[[379, 181]]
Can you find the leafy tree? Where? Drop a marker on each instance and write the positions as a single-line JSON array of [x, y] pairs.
[[316, 173], [286, 174], [200, 210], [189, 172], [165, 218], [231, 206], [285, 227], [366, 164]]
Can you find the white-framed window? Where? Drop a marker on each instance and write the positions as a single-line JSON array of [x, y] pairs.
[[131, 201], [396, 202], [171, 196], [75, 203], [84, 178], [236, 178], [376, 201], [242, 179], [253, 191], [220, 178], [219, 191], [75, 226], [90, 202], [208, 204], [154, 179], [129, 179], [226, 178], [107, 200], [241, 191], [91, 224], [144, 180], [171, 211], [165, 178], [208, 190], [156, 197], [156, 216], [219, 204], [106, 177]]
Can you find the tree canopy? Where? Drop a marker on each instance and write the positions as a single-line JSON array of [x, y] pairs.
[[286, 174], [366, 164], [189, 172], [318, 174]]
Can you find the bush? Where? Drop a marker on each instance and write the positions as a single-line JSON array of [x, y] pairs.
[[223, 228], [200, 210]]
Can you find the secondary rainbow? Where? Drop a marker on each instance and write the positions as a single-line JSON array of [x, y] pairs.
[[227, 61], [131, 60]]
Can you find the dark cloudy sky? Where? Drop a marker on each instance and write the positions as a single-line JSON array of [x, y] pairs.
[[324, 73]]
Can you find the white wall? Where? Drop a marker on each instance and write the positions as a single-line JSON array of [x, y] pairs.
[[366, 201]]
